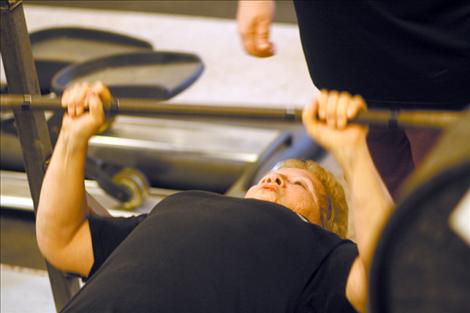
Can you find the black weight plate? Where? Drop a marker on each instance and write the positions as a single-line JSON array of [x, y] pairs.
[[56, 48], [157, 75], [420, 264]]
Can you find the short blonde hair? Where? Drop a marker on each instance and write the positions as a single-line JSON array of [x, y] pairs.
[[330, 193]]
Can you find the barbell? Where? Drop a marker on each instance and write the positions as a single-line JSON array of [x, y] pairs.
[[149, 107]]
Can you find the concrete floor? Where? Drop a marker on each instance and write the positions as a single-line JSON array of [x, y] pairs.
[[208, 8], [230, 77], [25, 290]]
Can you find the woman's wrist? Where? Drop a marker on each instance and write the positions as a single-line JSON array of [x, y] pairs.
[[348, 157], [72, 142]]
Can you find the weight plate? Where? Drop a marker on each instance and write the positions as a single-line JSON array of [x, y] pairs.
[[421, 263], [136, 183]]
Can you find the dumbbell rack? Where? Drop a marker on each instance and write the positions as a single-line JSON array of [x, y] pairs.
[[22, 77]]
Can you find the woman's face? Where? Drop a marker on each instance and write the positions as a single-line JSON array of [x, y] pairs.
[[293, 188]]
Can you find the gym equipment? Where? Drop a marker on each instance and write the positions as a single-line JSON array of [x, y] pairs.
[[160, 75], [130, 106], [187, 168], [130, 194], [21, 75], [128, 185], [15, 195], [173, 154], [154, 74], [125, 188], [422, 261], [56, 48], [136, 182]]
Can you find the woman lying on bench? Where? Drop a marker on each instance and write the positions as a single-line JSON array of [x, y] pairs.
[[280, 249]]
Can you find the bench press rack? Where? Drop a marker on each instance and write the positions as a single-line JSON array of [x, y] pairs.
[[22, 77]]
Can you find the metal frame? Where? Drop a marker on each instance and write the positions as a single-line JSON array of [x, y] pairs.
[[32, 128]]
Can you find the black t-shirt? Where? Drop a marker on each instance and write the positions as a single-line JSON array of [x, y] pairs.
[[203, 252], [394, 53]]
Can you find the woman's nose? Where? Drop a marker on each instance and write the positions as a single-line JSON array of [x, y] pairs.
[[273, 178]]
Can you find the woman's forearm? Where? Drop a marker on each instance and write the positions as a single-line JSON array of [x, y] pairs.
[[62, 207], [371, 201]]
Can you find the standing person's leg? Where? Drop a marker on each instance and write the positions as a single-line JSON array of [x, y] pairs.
[[391, 152], [422, 140]]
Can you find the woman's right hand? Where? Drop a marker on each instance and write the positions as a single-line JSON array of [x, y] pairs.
[[84, 109]]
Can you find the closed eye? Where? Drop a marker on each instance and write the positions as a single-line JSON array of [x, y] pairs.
[[300, 184]]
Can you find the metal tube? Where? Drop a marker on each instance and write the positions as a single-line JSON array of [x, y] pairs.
[[146, 107], [32, 128]]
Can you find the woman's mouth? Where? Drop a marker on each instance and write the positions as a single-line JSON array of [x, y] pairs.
[[269, 187]]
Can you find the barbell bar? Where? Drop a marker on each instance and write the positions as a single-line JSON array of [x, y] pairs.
[[150, 107]]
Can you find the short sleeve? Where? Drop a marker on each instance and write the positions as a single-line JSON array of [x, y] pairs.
[[327, 289], [107, 233]]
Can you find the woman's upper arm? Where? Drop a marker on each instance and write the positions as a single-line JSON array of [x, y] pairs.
[[356, 286], [77, 256], [93, 242]]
